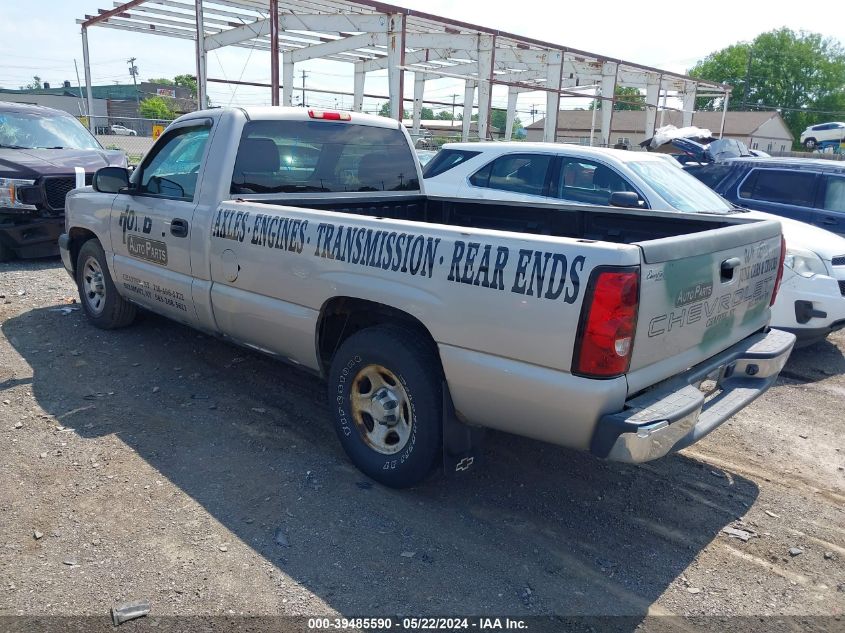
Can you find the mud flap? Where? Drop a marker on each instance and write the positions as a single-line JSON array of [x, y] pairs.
[[461, 442]]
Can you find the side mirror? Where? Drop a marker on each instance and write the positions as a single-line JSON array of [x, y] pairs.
[[625, 199], [111, 179]]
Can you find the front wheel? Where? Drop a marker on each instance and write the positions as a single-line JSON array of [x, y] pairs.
[[102, 304], [810, 144], [385, 392]]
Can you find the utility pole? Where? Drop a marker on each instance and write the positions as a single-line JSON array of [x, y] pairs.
[[453, 106], [533, 111], [303, 88], [133, 70]]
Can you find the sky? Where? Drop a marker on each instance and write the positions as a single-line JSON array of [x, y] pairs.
[[41, 37]]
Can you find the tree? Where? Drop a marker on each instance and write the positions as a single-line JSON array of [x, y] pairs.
[[156, 108], [627, 98], [426, 113], [385, 111], [35, 84], [794, 73], [499, 119], [444, 115]]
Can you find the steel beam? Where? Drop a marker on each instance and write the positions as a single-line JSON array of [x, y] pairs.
[[553, 79], [486, 51], [469, 99], [513, 95], [86, 64], [689, 103], [238, 34], [351, 43], [419, 94], [202, 62], [287, 80], [652, 101], [274, 52], [358, 89], [608, 93], [395, 47], [334, 22]]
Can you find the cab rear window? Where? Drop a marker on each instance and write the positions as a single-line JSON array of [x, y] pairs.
[[322, 157]]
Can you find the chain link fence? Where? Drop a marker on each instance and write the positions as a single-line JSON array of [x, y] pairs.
[[133, 136]]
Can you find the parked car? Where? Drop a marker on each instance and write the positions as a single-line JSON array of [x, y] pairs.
[[803, 189], [41, 151], [122, 130], [586, 326], [811, 304], [816, 134]]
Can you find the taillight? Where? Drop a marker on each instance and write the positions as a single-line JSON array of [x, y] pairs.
[[605, 337], [329, 116], [779, 277]]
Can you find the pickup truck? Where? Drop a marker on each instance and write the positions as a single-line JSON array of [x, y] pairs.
[[306, 235]]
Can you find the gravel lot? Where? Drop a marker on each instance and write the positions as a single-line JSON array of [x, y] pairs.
[[155, 462]]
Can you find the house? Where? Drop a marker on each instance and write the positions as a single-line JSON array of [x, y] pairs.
[[758, 130]]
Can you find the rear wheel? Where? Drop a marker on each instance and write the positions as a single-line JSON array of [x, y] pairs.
[[810, 143], [385, 391], [103, 306]]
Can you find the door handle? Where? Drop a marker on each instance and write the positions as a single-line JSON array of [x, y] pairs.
[[830, 221], [179, 227]]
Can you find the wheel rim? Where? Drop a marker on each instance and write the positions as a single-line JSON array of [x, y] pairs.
[[93, 286], [381, 409]]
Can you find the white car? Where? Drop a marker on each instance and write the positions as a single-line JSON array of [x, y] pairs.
[[811, 303], [815, 134], [122, 130]]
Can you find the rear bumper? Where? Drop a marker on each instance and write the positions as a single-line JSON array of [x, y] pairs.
[[31, 237], [676, 413]]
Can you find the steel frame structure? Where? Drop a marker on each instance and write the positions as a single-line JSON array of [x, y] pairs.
[[374, 36]]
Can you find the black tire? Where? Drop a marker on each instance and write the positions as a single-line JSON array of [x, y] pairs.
[[107, 310], [410, 357], [810, 144]]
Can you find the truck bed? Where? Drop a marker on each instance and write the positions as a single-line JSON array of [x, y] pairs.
[[603, 224]]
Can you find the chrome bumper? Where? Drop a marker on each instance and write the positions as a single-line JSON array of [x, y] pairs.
[[678, 412]]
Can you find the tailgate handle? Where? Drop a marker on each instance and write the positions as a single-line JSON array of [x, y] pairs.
[[728, 267]]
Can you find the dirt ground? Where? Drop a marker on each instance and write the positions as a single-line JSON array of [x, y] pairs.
[[158, 463]]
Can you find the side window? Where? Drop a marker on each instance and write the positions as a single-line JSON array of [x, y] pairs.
[[834, 194], [445, 160], [583, 180], [172, 171], [781, 186], [520, 173]]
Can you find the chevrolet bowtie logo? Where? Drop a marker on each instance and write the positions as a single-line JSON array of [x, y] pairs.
[[464, 464]]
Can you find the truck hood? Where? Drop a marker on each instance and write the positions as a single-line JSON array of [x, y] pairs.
[[797, 234], [32, 163]]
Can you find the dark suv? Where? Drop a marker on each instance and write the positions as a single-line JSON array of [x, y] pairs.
[[41, 152], [809, 190]]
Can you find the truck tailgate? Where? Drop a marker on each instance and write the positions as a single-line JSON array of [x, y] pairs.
[[699, 294]]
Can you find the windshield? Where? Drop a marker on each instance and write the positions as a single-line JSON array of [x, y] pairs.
[[682, 191], [25, 130]]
